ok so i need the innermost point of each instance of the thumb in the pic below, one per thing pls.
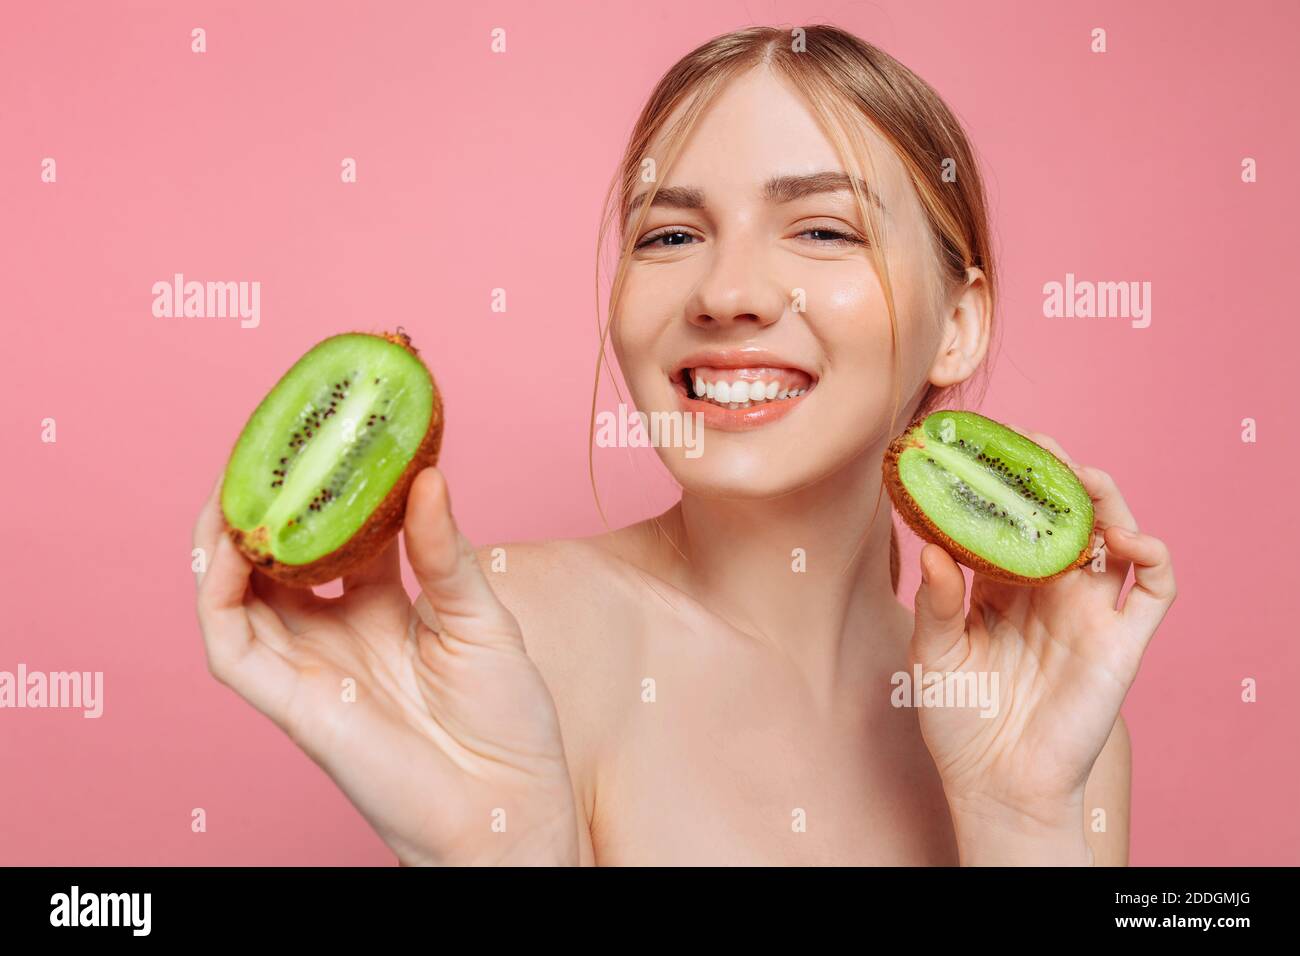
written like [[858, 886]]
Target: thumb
[[940, 606], [445, 567]]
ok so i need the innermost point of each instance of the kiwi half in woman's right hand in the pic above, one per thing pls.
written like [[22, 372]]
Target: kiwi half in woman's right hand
[[317, 482]]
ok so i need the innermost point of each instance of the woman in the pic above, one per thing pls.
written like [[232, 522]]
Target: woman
[[806, 262]]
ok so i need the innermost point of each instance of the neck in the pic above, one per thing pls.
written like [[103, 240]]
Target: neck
[[806, 573]]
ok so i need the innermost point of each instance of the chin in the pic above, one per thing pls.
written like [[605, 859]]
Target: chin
[[752, 474]]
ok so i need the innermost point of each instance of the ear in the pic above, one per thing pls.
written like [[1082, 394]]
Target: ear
[[964, 339]]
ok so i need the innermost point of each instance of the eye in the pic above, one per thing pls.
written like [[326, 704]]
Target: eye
[[667, 237], [833, 237]]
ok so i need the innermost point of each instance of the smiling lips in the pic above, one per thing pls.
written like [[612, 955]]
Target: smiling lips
[[739, 398]]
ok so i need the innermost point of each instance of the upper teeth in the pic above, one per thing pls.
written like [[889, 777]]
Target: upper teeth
[[741, 393]]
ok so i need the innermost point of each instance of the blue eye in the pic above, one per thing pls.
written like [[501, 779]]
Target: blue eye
[[673, 234], [832, 236]]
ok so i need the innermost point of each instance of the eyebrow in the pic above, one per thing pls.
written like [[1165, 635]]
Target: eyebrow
[[778, 189]]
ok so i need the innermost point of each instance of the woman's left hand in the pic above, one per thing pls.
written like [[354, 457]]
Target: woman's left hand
[[1064, 657]]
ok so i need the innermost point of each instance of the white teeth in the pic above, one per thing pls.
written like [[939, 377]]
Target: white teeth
[[741, 394]]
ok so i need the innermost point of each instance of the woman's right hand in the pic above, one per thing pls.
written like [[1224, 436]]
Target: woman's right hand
[[431, 717]]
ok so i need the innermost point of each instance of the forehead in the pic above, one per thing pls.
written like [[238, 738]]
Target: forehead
[[758, 127]]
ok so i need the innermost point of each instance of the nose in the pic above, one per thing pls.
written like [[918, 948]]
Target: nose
[[738, 289]]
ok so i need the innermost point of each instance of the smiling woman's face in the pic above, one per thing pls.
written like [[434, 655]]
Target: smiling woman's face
[[712, 298]]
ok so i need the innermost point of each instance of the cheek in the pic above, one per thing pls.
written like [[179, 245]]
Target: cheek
[[644, 312], [852, 322]]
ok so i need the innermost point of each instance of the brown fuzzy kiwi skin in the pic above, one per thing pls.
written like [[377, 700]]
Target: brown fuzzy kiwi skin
[[380, 528], [927, 530]]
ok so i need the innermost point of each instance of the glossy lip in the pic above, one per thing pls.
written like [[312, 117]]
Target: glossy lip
[[737, 419]]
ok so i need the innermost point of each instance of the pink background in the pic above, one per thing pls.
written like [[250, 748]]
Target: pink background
[[479, 171]]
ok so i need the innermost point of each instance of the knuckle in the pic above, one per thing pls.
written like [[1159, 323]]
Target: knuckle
[[218, 670]]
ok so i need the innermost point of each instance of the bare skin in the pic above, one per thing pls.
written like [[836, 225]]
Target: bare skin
[[732, 744], [735, 744], [714, 685]]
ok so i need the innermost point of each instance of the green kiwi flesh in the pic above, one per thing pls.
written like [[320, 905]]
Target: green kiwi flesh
[[998, 502], [317, 480]]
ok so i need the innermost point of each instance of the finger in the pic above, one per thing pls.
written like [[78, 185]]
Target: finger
[[1154, 587], [374, 599], [425, 612], [1110, 511], [445, 566], [294, 606], [382, 574], [262, 672], [208, 528], [1108, 504], [940, 607], [268, 626], [241, 647], [226, 631]]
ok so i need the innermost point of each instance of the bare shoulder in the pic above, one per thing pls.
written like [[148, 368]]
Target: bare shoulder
[[1106, 799], [576, 605], [569, 588]]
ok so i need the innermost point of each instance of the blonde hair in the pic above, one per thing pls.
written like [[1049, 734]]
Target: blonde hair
[[847, 83]]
